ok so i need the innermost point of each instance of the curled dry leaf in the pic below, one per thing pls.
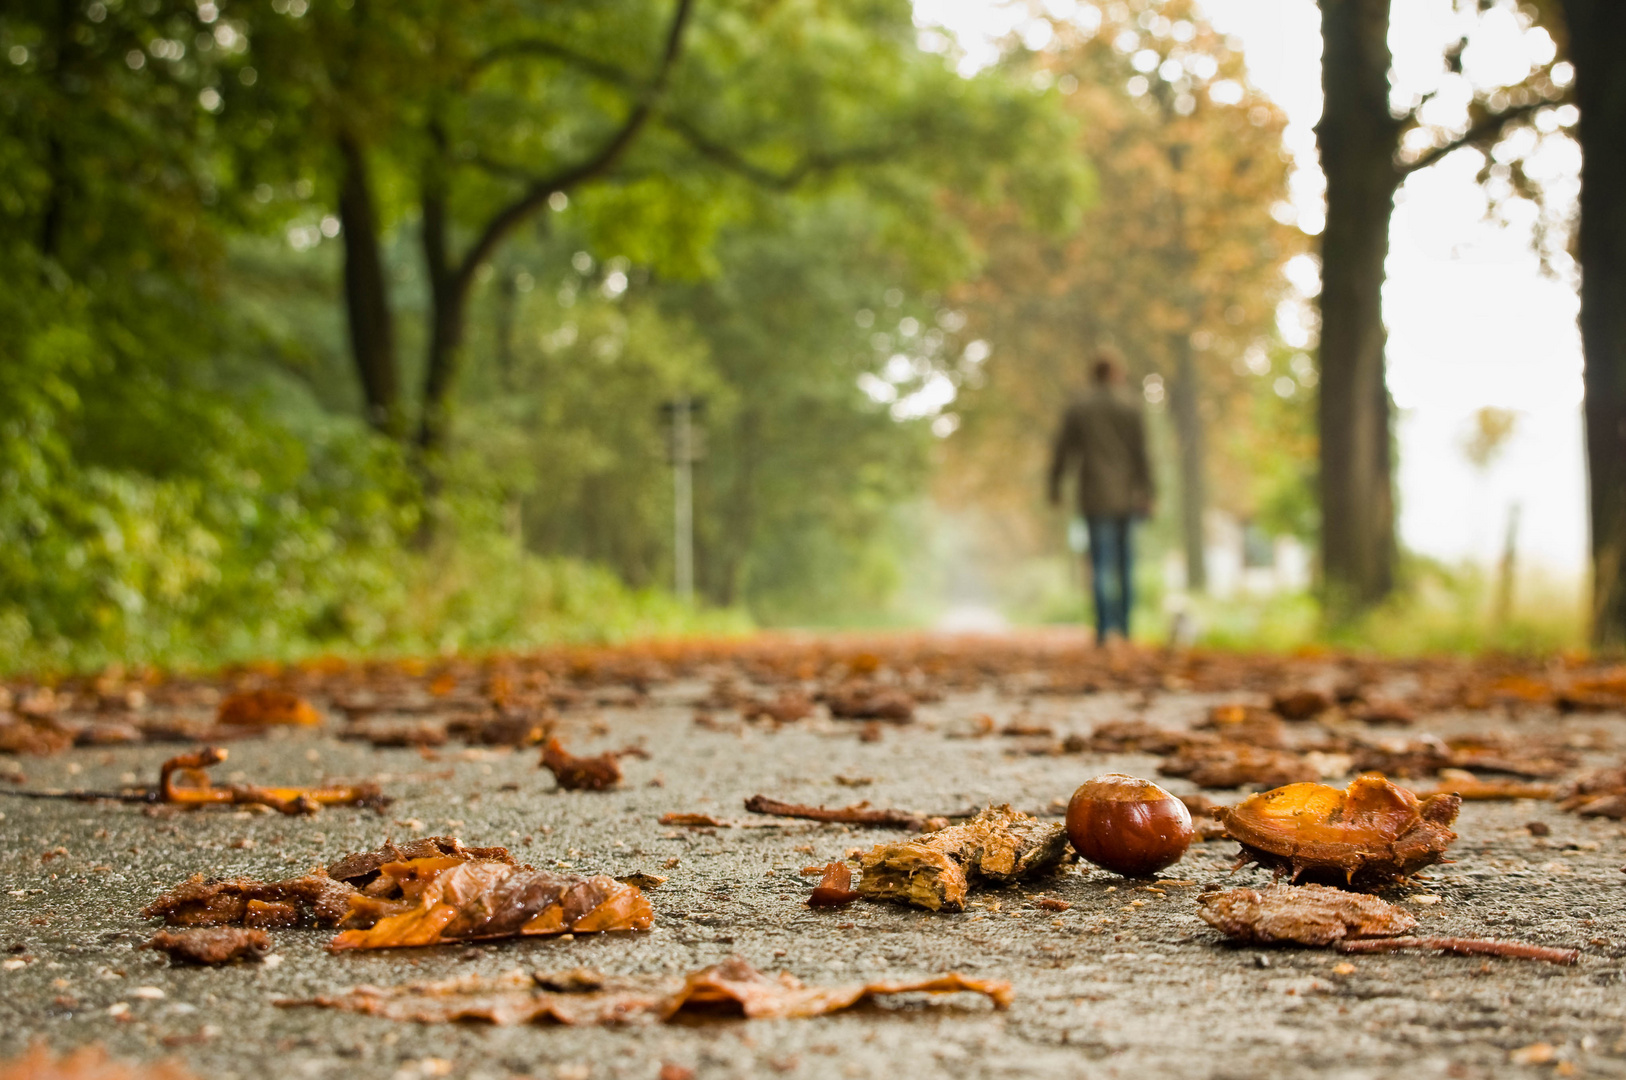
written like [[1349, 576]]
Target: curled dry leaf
[[1301, 914], [1129, 737], [86, 1063], [866, 701], [835, 888], [857, 814], [1365, 836], [264, 708], [732, 988], [445, 899], [1468, 787], [581, 773], [395, 733], [421, 893], [1536, 759], [1302, 704], [198, 791], [1600, 793], [321, 897], [211, 945], [1232, 765], [789, 707], [1248, 724], [936, 870]]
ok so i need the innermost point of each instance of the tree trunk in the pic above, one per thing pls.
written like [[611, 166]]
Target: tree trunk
[[1184, 397], [448, 297], [1596, 28], [366, 293], [1358, 139]]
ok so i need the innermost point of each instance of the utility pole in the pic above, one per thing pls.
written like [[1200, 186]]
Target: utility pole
[[683, 449]]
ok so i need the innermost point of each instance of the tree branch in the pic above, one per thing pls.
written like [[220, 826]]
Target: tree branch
[[511, 216], [1485, 130], [553, 50], [734, 161]]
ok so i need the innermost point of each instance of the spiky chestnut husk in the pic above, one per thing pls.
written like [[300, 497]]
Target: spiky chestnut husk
[[1364, 837]]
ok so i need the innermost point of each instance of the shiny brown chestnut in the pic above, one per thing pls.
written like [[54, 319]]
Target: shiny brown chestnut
[[1128, 825]]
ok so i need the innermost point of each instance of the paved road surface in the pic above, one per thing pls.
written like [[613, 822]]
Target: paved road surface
[[1128, 982]]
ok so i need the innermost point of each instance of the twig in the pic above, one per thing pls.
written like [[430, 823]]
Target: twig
[[1516, 950], [857, 814]]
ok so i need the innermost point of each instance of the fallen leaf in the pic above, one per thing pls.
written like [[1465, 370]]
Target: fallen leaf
[[732, 988]]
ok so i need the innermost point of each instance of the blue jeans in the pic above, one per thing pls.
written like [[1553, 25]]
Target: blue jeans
[[1111, 572]]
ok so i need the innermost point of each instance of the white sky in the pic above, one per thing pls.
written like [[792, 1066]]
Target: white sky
[[1472, 320]]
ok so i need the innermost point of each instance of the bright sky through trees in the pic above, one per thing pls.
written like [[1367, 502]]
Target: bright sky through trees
[[1473, 321]]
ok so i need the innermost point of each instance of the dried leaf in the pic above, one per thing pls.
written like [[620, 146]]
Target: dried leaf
[[581, 774], [263, 708], [1302, 914], [212, 946], [1232, 765], [834, 888], [86, 1063], [585, 998], [443, 899]]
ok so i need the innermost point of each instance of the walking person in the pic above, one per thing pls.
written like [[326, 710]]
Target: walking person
[[1103, 440]]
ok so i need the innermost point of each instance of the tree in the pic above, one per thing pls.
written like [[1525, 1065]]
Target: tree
[[1595, 29], [1179, 262], [481, 123], [1361, 138]]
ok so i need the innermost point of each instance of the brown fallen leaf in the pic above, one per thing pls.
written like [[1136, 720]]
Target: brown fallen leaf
[[789, 707], [321, 896], [866, 701], [857, 814], [508, 729], [834, 888], [1365, 836], [445, 899], [1232, 765], [936, 870], [35, 737], [86, 1063], [264, 708], [394, 733], [1301, 704], [732, 988], [1132, 737], [1465, 785], [1599, 793], [581, 774], [211, 945], [1248, 724], [694, 821], [1301, 914], [198, 791], [643, 880]]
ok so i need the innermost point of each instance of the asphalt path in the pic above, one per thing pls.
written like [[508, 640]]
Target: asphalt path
[[1126, 982]]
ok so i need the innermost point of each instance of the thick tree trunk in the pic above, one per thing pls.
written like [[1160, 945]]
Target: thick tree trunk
[[1184, 398], [366, 293], [1596, 29], [1358, 139]]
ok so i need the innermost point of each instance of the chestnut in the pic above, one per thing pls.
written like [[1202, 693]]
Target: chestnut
[[1128, 825]]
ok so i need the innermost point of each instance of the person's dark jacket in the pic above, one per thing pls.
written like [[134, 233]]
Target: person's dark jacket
[[1103, 438]]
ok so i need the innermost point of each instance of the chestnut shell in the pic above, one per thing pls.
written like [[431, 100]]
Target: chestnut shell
[[1127, 825], [1365, 836]]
